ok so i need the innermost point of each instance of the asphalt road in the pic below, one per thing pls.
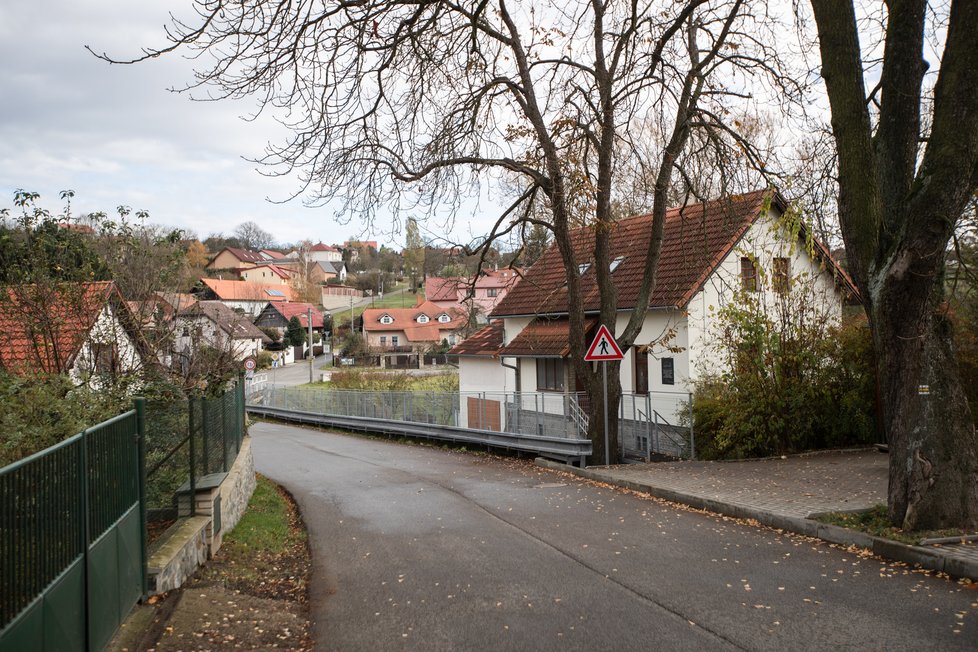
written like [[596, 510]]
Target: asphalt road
[[421, 548]]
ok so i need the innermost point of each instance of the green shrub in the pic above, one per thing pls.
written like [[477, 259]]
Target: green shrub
[[794, 380]]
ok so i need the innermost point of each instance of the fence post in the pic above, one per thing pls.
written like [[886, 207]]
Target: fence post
[[85, 532], [224, 432], [205, 426], [193, 456], [692, 439], [242, 415], [141, 451]]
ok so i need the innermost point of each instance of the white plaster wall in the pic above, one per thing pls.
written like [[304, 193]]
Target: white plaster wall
[[106, 330], [764, 241], [477, 374]]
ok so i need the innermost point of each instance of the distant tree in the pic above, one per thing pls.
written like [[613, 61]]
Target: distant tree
[[251, 236], [295, 334], [414, 253], [453, 270]]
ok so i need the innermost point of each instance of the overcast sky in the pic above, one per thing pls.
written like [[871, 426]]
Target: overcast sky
[[115, 135]]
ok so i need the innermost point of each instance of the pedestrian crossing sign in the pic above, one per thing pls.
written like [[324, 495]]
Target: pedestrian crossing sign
[[604, 347]]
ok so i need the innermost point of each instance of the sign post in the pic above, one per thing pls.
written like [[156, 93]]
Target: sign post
[[604, 348]]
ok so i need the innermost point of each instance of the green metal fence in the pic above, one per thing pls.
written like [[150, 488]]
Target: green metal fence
[[72, 530], [73, 519]]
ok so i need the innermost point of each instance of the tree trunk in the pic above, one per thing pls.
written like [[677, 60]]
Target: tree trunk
[[933, 478]]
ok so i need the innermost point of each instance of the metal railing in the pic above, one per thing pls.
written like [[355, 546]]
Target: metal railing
[[653, 424]]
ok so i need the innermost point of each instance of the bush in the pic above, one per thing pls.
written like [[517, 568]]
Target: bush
[[264, 360], [795, 381]]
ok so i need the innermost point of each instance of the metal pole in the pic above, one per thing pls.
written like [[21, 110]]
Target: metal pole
[[692, 440], [83, 476], [141, 452], [193, 457], [312, 353], [607, 453]]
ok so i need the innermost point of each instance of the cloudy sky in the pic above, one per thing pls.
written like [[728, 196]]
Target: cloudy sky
[[116, 136]]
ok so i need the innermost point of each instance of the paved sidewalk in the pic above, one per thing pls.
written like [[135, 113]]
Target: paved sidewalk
[[786, 493]]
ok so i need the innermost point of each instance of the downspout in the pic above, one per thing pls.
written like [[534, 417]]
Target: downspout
[[516, 369]]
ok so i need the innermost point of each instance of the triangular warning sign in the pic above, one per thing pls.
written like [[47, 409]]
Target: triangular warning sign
[[604, 347]]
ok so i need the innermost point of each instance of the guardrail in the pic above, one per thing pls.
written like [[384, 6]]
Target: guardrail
[[572, 451]]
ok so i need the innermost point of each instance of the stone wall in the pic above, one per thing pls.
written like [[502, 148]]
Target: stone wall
[[182, 552], [237, 488]]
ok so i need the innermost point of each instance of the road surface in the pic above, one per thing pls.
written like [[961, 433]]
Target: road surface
[[421, 548]]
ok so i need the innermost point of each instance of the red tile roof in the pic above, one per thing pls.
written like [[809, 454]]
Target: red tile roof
[[272, 254], [319, 246], [279, 270], [543, 338], [696, 239], [485, 342], [49, 344], [405, 319], [246, 291], [244, 255], [439, 288], [235, 325]]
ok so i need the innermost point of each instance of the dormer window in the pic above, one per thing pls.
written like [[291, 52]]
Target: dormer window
[[423, 319], [615, 263], [583, 268], [444, 318], [386, 319]]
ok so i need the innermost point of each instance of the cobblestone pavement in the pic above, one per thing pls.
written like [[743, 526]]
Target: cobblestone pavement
[[793, 486], [799, 486]]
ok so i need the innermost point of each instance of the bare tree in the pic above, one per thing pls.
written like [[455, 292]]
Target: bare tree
[[251, 236], [410, 106], [908, 165]]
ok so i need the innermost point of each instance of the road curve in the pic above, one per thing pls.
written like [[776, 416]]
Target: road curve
[[420, 548]]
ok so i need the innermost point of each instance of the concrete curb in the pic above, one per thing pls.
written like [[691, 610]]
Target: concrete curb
[[932, 558]]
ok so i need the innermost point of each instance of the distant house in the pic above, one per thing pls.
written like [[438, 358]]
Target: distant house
[[84, 330], [213, 324], [481, 294], [335, 297], [271, 254], [249, 298], [317, 253], [267, 274], [411, 329], [277, 315], [355, 247], [322, 272], [709, 250], [233, 258]]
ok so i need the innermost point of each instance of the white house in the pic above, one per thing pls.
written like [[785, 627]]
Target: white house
[[213, 324], [84, 330], [708, 251]]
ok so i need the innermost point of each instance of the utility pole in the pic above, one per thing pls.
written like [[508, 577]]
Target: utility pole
[[312, 353]]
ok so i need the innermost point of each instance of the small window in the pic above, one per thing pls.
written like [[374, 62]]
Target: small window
[[393, 340], [583, 268], [386, 319], [748, 274], [668, 371], [444, 319], [423, 319], [491, 292], [616, 262], [641, 370], [383, 340], [782, 275], [550, 374]]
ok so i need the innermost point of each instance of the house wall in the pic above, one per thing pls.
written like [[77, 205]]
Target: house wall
[[764, 241], [202, 330], [106, 330], [373, 338], [227, 260], [478, 374], [250, 308], [262, 275], [325, 256]]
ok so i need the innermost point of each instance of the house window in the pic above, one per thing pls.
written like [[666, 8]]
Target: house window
[[444, 319], [491, 292], [393, 340], [106, 358], [583, 268], [383, 340], [641, 370], [386, 319], [748, 274], [782, 275], [616, 262], [423, 319], [550, 374], [668, 371]]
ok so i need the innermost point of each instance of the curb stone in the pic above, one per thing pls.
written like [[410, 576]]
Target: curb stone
[[931, 558]]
